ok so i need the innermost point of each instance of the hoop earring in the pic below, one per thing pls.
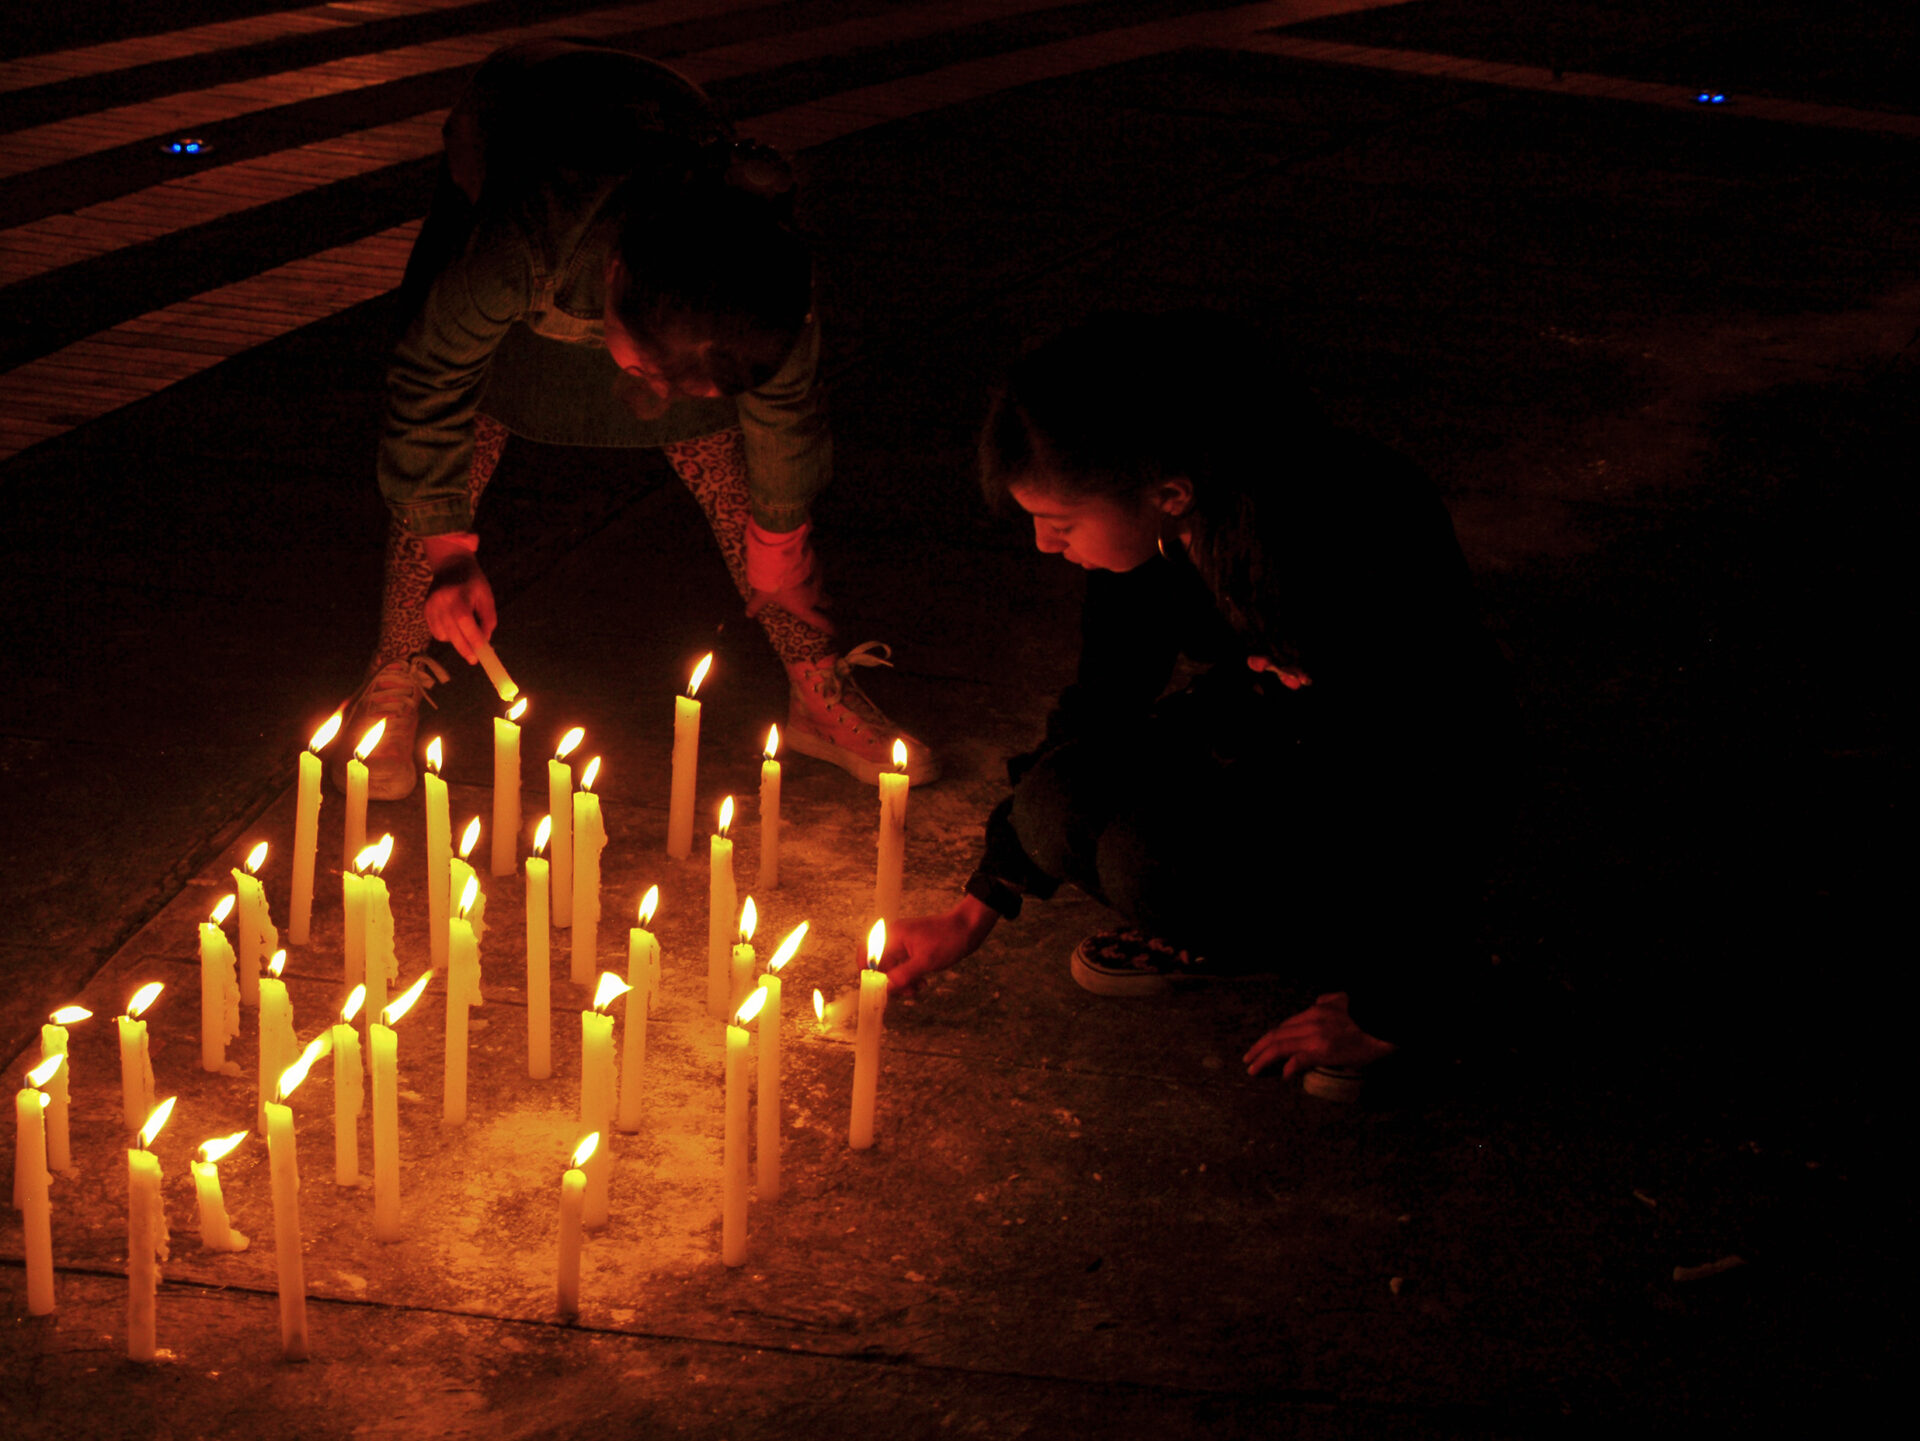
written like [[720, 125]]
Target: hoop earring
[[1160, 544]]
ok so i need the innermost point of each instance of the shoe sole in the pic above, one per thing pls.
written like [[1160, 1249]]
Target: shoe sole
[[854, 764], [1104, 982]]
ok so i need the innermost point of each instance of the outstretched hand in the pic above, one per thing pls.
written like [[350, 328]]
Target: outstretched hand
[[921, 946], [459, 601], [1322, 1035]]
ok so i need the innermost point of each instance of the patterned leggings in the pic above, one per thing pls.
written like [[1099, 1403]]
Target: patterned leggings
[[714, 468]]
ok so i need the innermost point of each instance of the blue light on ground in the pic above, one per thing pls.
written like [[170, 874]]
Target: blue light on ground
[[1710, 97], [187, 147]]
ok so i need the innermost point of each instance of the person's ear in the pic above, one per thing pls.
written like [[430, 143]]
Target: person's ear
[[1173, 496]]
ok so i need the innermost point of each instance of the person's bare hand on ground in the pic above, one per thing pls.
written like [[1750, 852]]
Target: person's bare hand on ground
[[1322, 1035], [922, 946]]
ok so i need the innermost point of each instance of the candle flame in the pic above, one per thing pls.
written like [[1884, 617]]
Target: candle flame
[[70, 1015], [374, 857], [436, 756], [583, 1152], [323, 737], [787, 948], [156, 1120], [212, 1152], [44, 1098], [726, 814], [46, 1070], [876, 944], [278, 963], [649, 903], [390, 1017], [291, 1078], [819, 1006], [469, 838], [543, 834], [750, 1007], [144, 997], [353, 1005], [610, 987], [382, 853], [370, 739], [700, 673], [517, 709], [468, 893], [222, 911], [256, 858], [899, 754], [773, 742], [749, 918], [568, 741], [590, 775]]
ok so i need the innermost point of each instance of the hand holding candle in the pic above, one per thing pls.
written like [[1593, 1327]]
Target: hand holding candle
[[866, 1045], [354, 836], [147, 1236], [560, 811], [770, 814], [539, 961], [589, 839], [686, 764], [506, 788], [216, 1231], [136, 1063], [597, 1090], [306, 832], [643, 957], [253, 925], [722, 901], [767, 1172], [384, 1051], [439, 861]]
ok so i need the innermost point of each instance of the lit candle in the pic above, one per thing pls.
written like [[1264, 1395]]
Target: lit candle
[[383, 1045], [597, 1090], [686, 764], [279, 1046], [353, 924], [53, 1042], [560, 808], [380, 967], [767, 1171], [284, 1166], [497, 673], [136, 1064], [463, 992], [539, 963], [589, 839], [306, 832], [740, 971], [355, 835], [32, 1185], [573, 1197], [146, 1236], [733, 1156], [439, 861], [216, 1231], [253, 926], [866, 1044], [770, 813], [722, 903], [349, 1092], [893, 836], [643, 958], [506, 788], [219, 993], [819, 1009], [460, 870]]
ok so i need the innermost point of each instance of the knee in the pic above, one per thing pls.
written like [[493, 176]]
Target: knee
[[1041, 816]]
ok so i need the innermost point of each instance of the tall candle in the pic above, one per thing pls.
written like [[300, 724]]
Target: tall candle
[[686, 764], [866, 1043], [506, 788], [539, 963], [383, 1045], [32, 1185], [53, 1042], [380, 966], [770, 813], [349, 1092], [893, 836], [353, 925], [733, 1154], [279, 1047], [767, 1114], [463, 992], [216, 1231], [439, 860], [573, 1201], [219, 994], [253, 925], [136, 1064], [589, 839], [597, 1091], [497, 673], [459, 871], [146, 1237], [643, 957], [306, 833], [354, 834], [722, 904], [560, 808], [284, 1168], [740, 970]]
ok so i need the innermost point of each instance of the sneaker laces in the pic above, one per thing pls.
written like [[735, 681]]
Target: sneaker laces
[[838, 687], [398, 684]]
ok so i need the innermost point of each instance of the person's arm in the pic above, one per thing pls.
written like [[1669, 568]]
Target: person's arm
[[921, 946]]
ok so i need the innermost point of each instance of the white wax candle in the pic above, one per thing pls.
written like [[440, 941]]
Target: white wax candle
[[349, 1098], [497, 673], [254, 928], [573, 1200], [380, 966], [767, 1115], [539, 974], [216, 1230], [463, 991], [733, 1163], [893, 843], [279, 1047], [723, 905], [306, 846], [686, 765], [146, 1247], [353, 838], [219, 1000], [289, 1267], [383, 1047], [866, 1057], [560, 808], [589, 839], [136, 1072], [439, 863], [770, 816], [596, 1108], [353, 928], [643, 955], [506, 790], [32, 1194], [462, 871], [53, 1042], [740, 974]]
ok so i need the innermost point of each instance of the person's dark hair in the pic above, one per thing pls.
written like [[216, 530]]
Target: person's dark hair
[[714, 262], [1121, 401]]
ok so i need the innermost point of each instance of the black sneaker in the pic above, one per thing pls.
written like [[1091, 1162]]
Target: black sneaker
[[1130, 962]]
